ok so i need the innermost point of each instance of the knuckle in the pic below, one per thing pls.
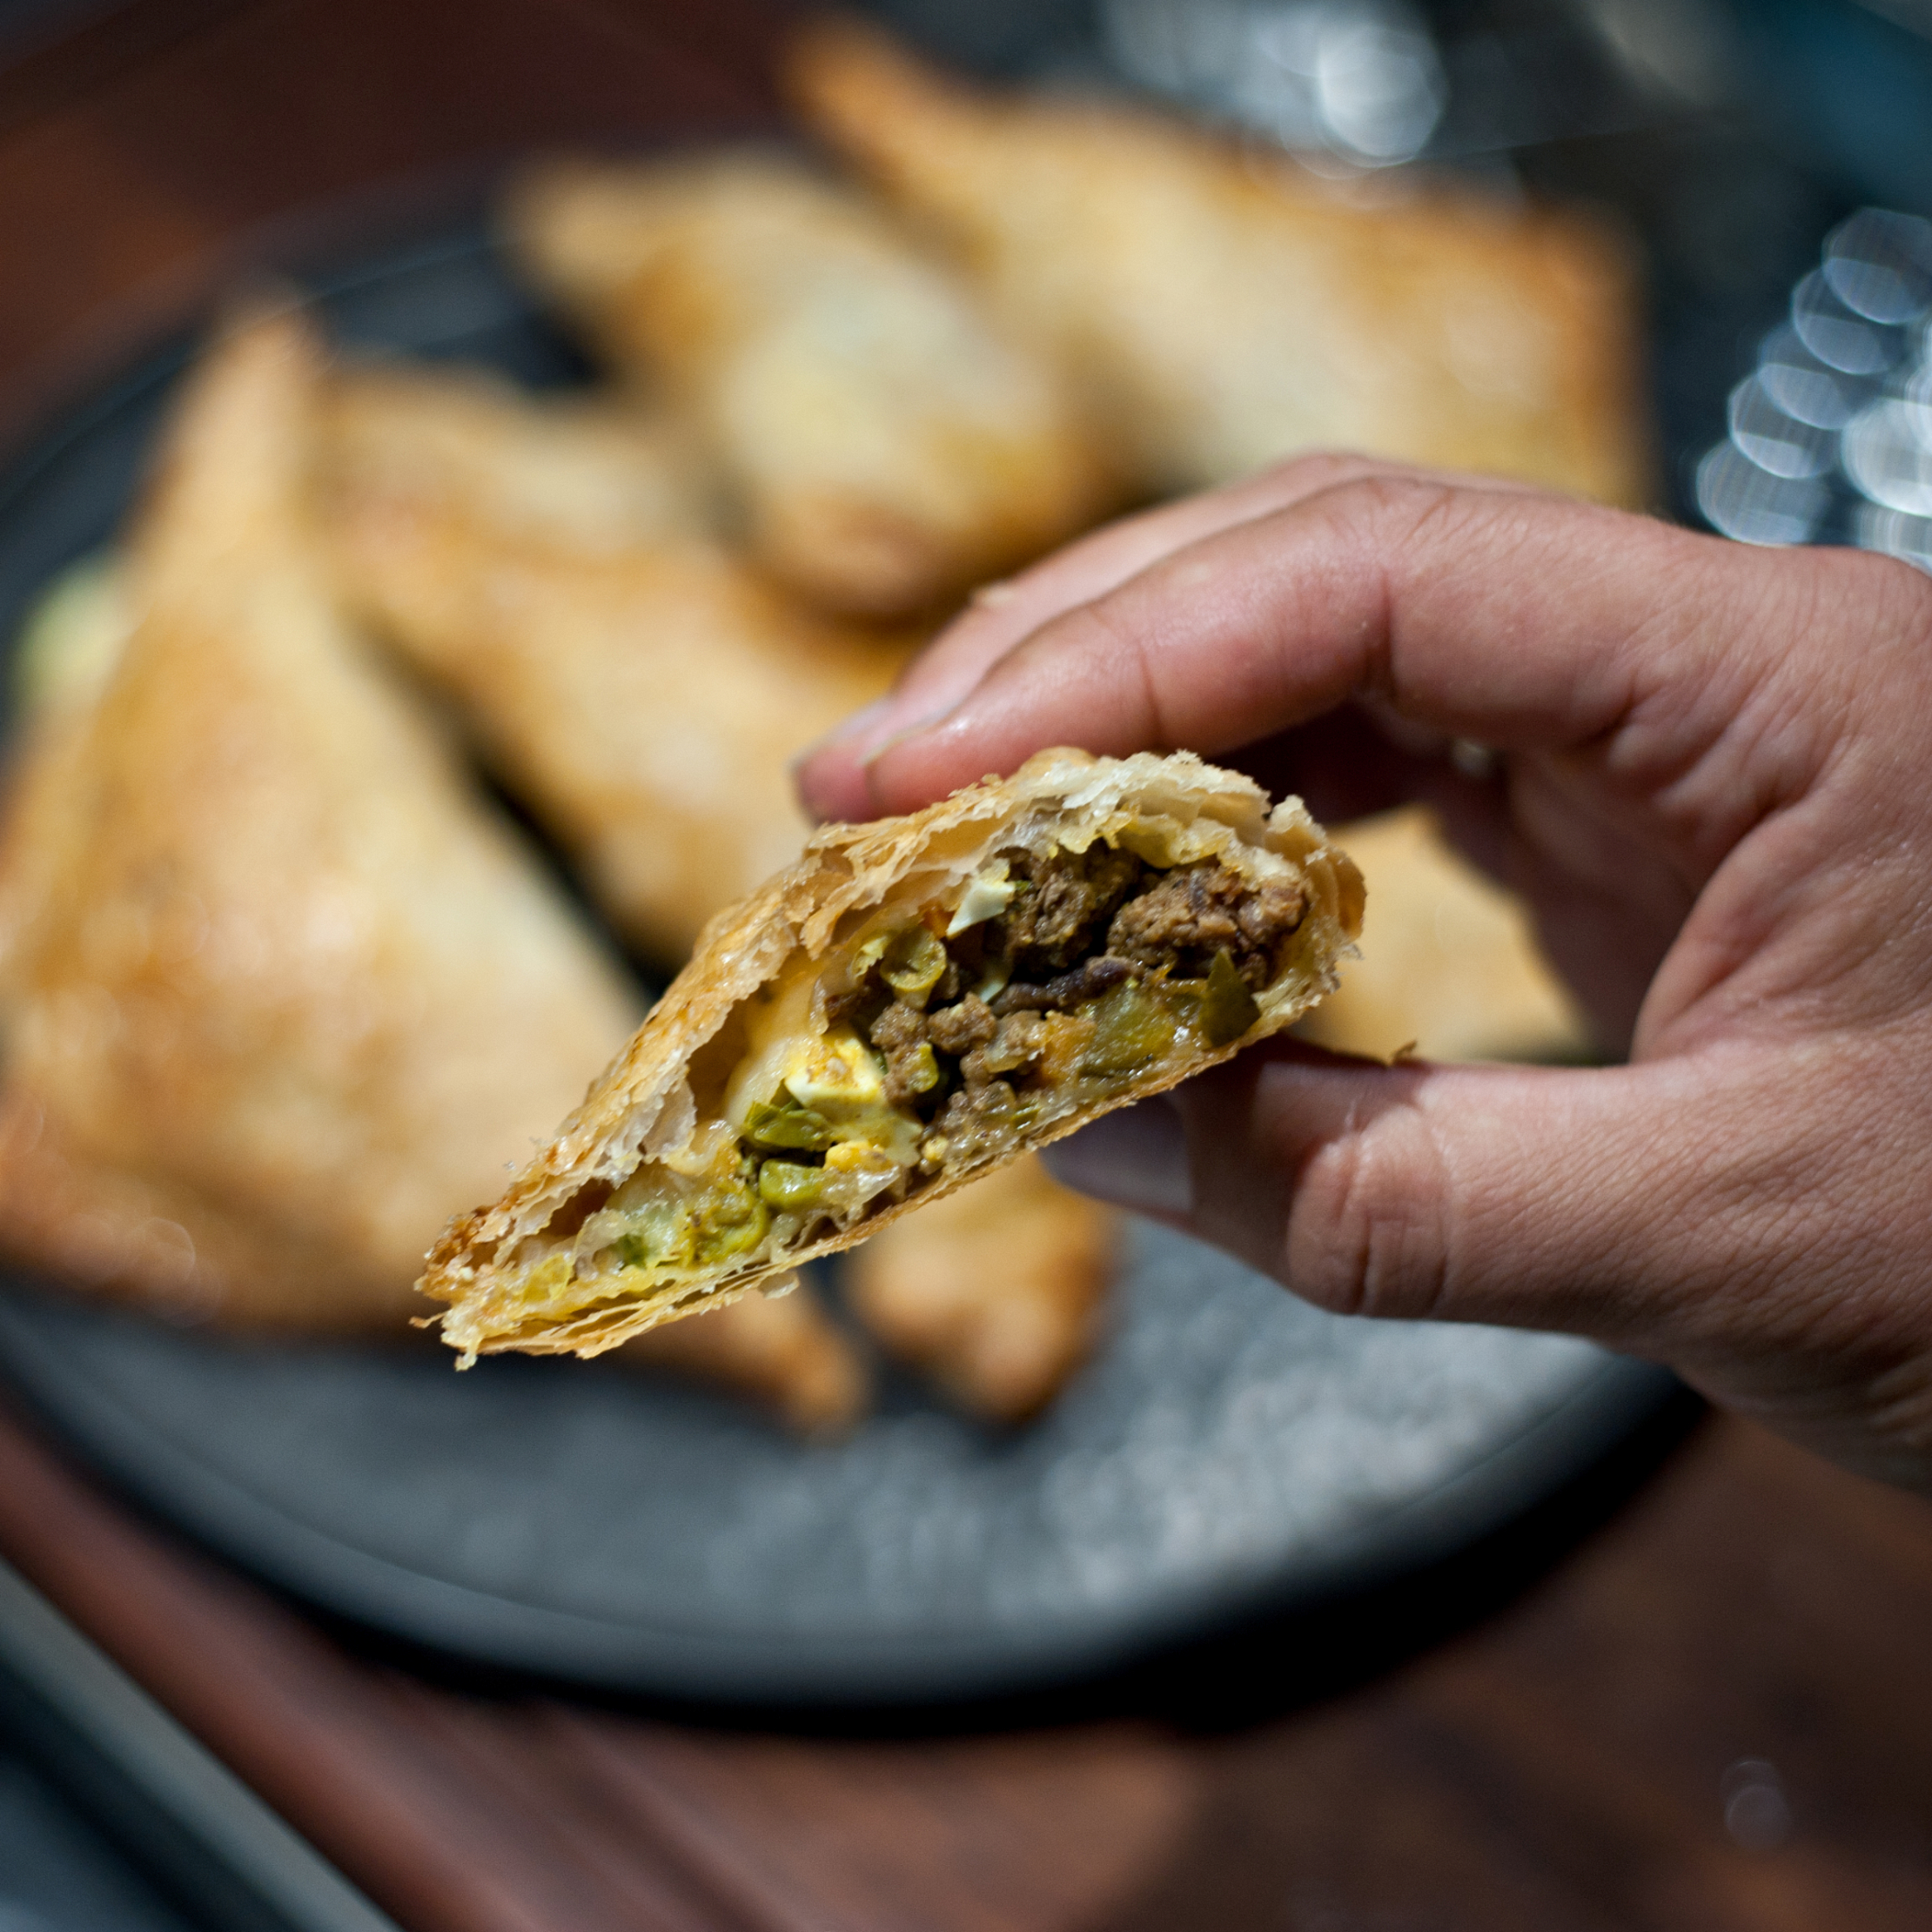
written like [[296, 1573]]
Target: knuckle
[[1367, 1225], [1403, 506]]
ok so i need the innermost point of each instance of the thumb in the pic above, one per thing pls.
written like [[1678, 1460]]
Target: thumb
[[1529, 1196]]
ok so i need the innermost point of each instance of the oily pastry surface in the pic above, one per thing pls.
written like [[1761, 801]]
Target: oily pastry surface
[[886, 447], [568, 1259], [277, 987], [1223, 310]]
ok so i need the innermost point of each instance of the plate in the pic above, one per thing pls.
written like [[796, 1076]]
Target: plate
[[1230, 1454]]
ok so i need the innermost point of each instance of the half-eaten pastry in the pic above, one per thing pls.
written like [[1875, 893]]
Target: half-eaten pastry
[[913, 1003]]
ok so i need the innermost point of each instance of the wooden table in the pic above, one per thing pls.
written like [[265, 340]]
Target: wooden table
[[1712, 1718], [1716, 1714]]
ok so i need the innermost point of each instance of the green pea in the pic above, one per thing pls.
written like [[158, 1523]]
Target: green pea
[[1228, 1009], [788, 1184], [919, 1072], [794, 1127], [915, 963]]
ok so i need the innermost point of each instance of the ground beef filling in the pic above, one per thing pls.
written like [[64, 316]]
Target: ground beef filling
[[1045, 978], [1094, 970]]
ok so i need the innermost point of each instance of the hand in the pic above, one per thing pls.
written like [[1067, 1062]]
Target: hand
[[1712, 778]]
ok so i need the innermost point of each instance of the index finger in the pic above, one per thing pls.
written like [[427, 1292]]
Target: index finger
[[1514, 619], [831, 775]]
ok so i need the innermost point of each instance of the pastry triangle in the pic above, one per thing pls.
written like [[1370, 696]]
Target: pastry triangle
[[1223, 308], [885, 446], [995, 1293], [276, 986], [640, 689]]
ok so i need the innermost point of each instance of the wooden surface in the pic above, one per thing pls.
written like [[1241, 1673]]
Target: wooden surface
[[1749, 1635], [1715, 1715]]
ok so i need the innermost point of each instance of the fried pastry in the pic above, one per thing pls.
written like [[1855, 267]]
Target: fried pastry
[[911, 1005], [1225, 309], [276, 987], [643, 700], [570, 472], [886, 447], [781, 1350], [1450, 968], [995, 1292]]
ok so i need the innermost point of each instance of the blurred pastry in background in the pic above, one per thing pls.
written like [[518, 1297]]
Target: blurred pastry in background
[[1450, 966], [574, 471], [642, 701], [780, 1349], [995, 1293], [1225, 309], [884, 446], [276, 987], [250, 909]]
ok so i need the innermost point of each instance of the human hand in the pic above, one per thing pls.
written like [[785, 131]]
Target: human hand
[[1712, 781]]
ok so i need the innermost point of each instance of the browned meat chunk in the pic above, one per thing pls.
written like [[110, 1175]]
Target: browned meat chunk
[[900, 1026], [1099, 975], [900, 1034], [958, 1029], [1198, 910], [978, 1123], [1068, 899]]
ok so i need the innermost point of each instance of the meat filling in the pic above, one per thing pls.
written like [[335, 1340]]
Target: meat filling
[[1193, 912], [1090, 971], [939, 1049]]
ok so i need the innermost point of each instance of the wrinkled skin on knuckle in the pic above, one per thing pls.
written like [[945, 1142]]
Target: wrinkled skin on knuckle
[[1367, 1222], [1794, 1286], [1383, 513]]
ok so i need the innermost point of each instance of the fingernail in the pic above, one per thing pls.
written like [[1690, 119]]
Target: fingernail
[[1135, 1159]]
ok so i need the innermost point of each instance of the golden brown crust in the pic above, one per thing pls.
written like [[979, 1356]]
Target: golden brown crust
[[656, 1095], [643, 693], [585, 475], [886, 447], [101, 1230], [276, 987], [1225, 310], [995, 1293]]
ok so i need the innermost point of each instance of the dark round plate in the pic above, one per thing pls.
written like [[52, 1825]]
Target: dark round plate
[[1230, 1452]]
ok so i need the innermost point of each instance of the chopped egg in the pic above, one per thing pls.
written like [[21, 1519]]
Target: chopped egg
[[834, 1073]]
